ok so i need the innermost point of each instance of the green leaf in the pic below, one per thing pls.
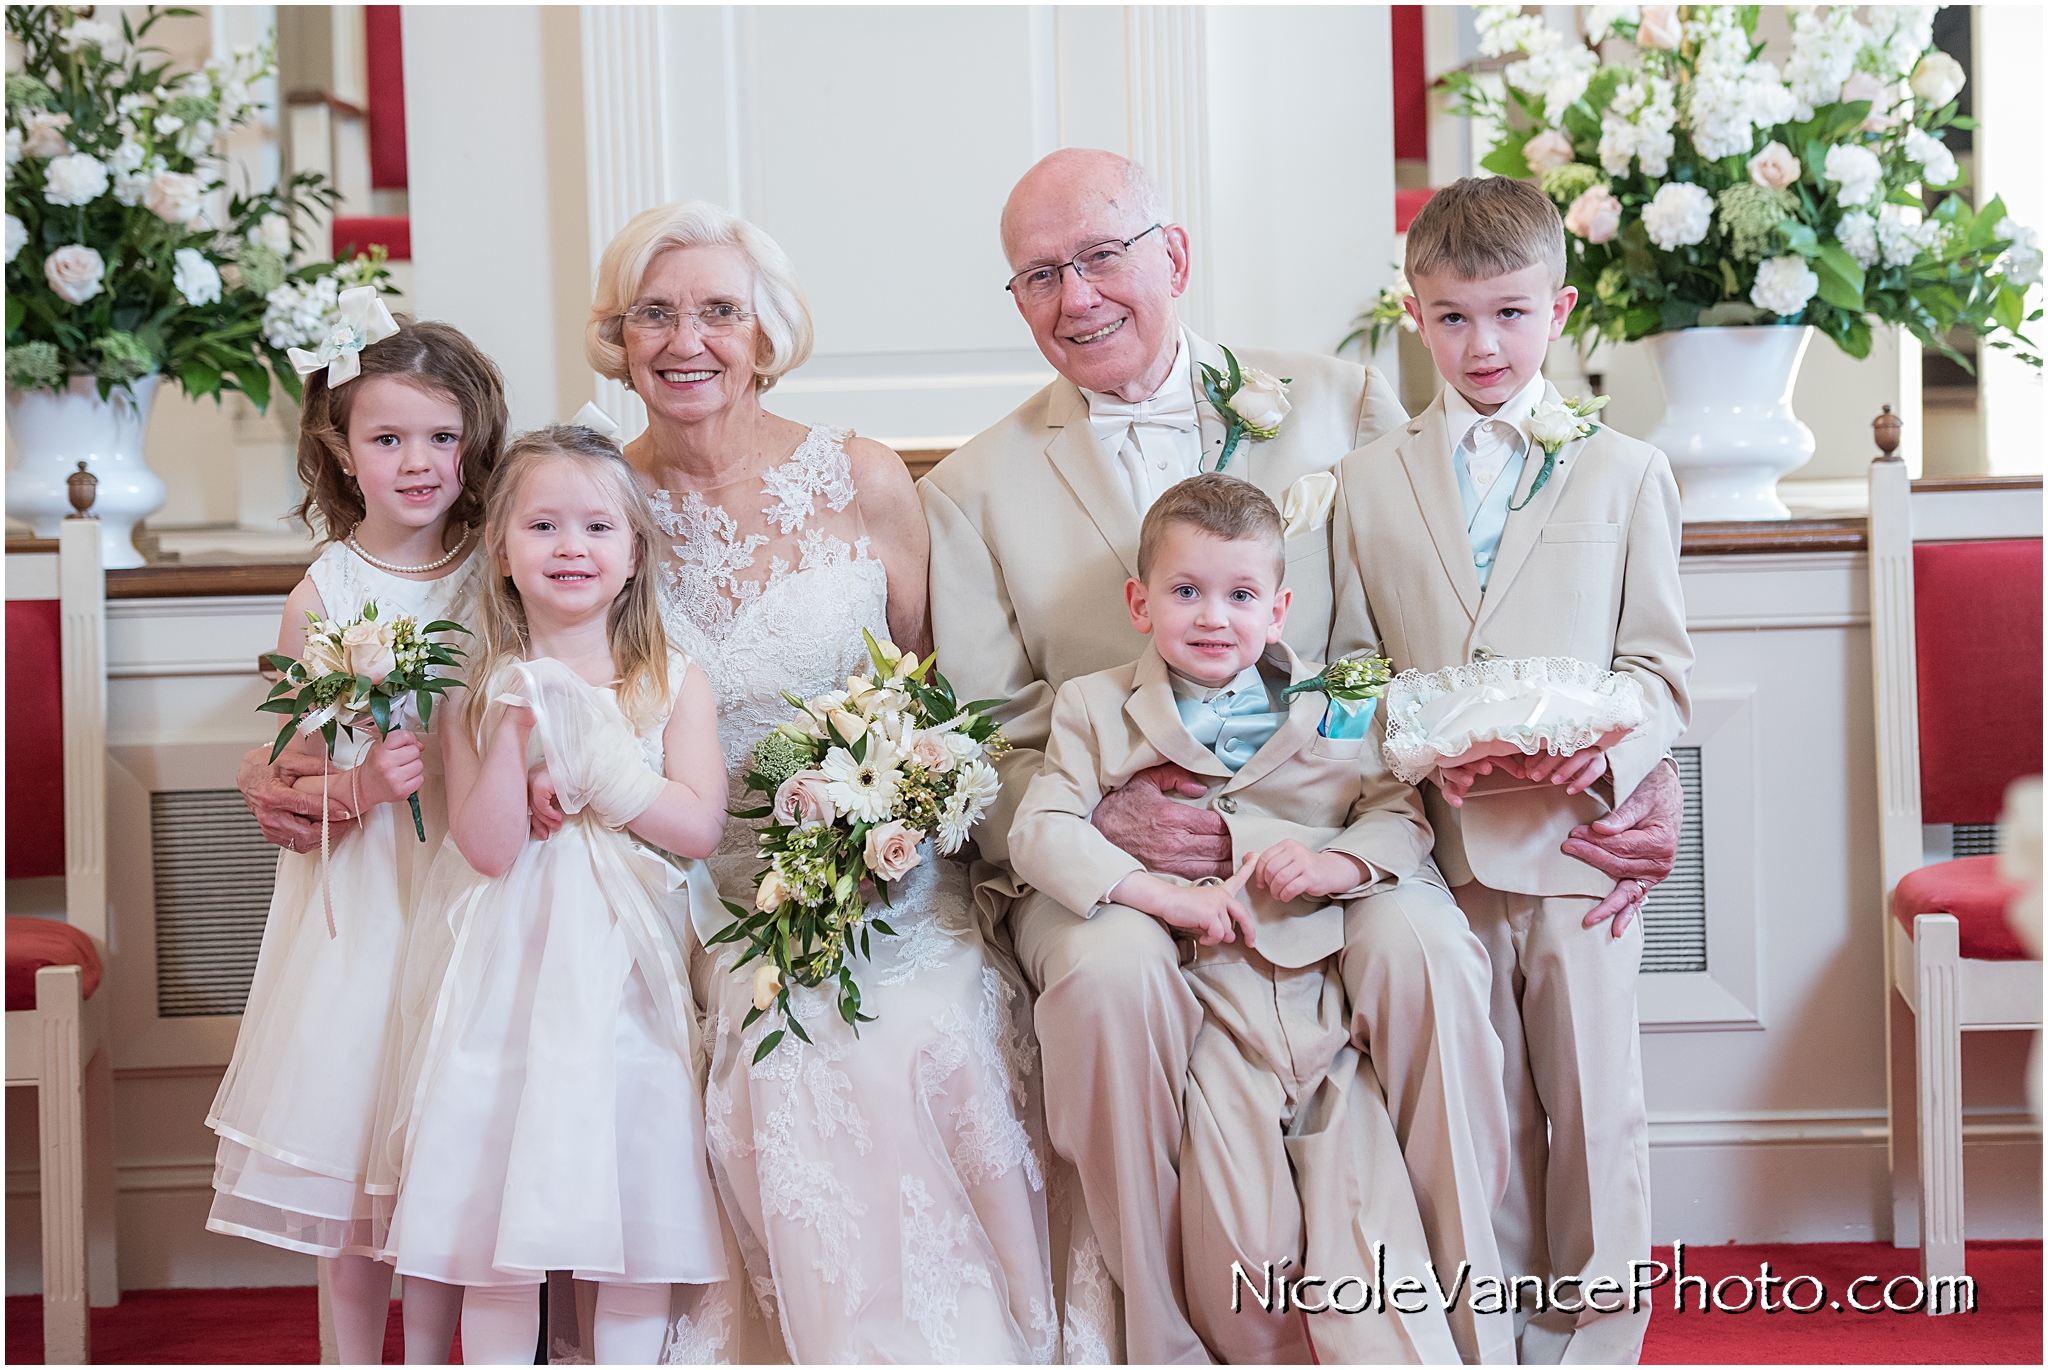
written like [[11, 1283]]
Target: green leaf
[[279, 660], [1506, 159], [1236, 376], [794, 1025], [380, 712], [768, 1044], [1841, 278], [284, 737], [2010, 308]]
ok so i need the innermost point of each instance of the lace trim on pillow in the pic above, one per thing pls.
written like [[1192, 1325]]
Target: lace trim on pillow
[[1413, 753]]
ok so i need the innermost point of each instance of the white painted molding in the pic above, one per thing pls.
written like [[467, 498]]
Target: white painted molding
[[1166, 48], [82, 593]]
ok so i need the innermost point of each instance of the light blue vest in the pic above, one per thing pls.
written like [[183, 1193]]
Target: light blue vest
[[1486, 516]]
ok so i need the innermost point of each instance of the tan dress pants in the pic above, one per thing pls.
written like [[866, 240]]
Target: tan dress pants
[[1420, 988], [1290, 1159], [1578, 1200], [1116, 1023]]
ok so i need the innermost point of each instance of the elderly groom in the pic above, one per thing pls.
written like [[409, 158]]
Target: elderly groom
[[1034, 529]]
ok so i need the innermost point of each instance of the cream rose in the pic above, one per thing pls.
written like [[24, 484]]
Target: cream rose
[[804, 798], [767, 984], [771, 892], [174, 196], [891, 850], [74, 272], [1660, 28], [1547, 151], [1552, 425], [368, 646], [1261, 402], [929, 750], [1938, 79], [1775, 167], [847, 724], [1595, 215]]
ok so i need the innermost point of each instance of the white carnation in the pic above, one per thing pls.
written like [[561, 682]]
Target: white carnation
[[77, 179], [1783, 286], [1856, 170], [196, 278], [1857, 233], [17, 237], [2021, 262], [127, 157], [273, 231], [1679, 216], [1937, 163]]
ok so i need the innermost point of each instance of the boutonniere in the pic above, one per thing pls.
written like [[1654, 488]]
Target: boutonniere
[[1554, 425], [1250, 402], [1353, 679]]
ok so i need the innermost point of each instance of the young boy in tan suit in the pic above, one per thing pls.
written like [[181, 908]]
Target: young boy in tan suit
[[1288, 1156], [1483, 529]]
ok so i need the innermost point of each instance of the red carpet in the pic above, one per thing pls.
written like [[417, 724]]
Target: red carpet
[[277, 1326]]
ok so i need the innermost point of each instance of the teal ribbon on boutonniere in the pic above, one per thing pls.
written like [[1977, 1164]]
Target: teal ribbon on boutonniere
[[1250, 402], [1349, 683], [1554, 425]]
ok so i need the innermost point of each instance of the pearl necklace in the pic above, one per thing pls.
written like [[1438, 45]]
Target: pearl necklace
[[453, 553]]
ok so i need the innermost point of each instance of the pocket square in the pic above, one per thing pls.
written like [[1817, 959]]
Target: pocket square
[[1306, 505], [1347, 718]]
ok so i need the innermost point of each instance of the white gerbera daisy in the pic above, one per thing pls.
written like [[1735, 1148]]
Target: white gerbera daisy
[[865, 790], [955, 821], [980, 784]]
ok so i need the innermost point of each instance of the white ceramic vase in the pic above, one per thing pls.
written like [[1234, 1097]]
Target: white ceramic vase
[[1728, 425], [51, 433]]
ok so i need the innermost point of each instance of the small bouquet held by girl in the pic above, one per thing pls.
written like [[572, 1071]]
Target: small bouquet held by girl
[[861, 779], [361, 674]]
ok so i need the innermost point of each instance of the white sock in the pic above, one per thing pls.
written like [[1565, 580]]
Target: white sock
[[500, 1324], [631, 1321]]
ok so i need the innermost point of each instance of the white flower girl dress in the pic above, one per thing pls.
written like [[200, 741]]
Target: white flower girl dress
[[295, 1110]]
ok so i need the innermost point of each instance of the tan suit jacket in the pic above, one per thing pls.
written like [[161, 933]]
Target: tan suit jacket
[[1033, 536], [1589, 569], [1329, 794]]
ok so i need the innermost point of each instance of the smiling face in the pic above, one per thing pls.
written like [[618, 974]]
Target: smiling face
[[1116, 336], [1212, 605], [405, 450], [1488, 336], [567, 546], [683, 375]]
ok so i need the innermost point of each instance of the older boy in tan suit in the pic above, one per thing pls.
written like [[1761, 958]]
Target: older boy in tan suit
[[1464, 537], [1288, 1162]]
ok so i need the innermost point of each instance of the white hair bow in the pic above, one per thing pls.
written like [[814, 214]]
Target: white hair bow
[[364, 320], [597, 421]]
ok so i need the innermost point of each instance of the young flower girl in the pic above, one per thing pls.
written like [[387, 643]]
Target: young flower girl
[[548, 1115], [396, 442]]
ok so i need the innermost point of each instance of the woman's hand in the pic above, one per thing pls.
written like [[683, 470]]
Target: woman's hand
[[392, 769], [543, 808], [289, 817]]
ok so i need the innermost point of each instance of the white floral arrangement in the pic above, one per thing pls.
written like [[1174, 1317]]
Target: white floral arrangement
[[862, 779], [1502, 707], [126, 255], [1703, 186]]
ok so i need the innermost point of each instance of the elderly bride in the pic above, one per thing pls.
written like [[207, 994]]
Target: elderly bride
[[886, 1192]]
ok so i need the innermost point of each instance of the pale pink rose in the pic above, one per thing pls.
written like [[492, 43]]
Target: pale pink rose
[[804, 798], [368, 646], [1775, 167], [174, 196], [930, 751], [1595, 215], [892, 850], [1547, 150], [1660, 28]]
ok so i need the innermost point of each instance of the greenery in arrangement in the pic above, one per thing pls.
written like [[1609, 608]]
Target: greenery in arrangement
[[1701, 186], [127, 254]]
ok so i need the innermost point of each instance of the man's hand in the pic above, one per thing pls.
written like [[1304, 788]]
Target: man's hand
[[289, 818], [543, 809], [1176, 838], [1637, 845]]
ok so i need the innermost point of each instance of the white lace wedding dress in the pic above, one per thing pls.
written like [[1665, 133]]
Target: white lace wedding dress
[[887, 1193]]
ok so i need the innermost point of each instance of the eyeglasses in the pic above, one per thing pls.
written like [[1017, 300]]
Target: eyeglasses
[[1037, 284], [658, 320]]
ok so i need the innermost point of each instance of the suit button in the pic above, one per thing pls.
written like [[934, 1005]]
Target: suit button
[[1482, 654], [1226, 804]]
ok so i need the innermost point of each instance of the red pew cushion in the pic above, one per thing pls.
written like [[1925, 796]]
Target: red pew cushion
[[33, 943], [1977, 617], [1970, 889], [35, 741]]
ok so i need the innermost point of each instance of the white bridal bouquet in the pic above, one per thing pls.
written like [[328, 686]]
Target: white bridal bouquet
[[1701, 185], [861, 779], [125, 255]]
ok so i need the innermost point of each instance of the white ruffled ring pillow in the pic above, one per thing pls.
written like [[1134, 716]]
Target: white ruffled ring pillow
[[1497, 707]]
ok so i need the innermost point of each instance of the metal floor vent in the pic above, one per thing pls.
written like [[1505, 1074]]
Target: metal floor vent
[[1976, 839], [214, 874], [1675, 914]]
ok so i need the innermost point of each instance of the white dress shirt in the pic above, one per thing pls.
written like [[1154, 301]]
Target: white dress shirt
[[1157, 442], [1490, 440]]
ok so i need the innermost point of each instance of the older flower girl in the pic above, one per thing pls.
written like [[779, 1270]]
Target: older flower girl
[[395, 444], [549, 1116]]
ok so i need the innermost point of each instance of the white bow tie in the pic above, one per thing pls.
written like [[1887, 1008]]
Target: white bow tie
[[1173, 408]]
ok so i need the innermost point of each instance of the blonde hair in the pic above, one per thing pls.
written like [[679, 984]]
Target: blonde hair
[[639, 644], [431, 357], [784, 318], [1484, 226], [1221, 506]]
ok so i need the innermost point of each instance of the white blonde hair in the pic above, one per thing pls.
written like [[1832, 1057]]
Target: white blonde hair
[[785, 316]]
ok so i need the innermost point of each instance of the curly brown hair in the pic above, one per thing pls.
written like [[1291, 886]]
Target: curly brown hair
[[431, 356]]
